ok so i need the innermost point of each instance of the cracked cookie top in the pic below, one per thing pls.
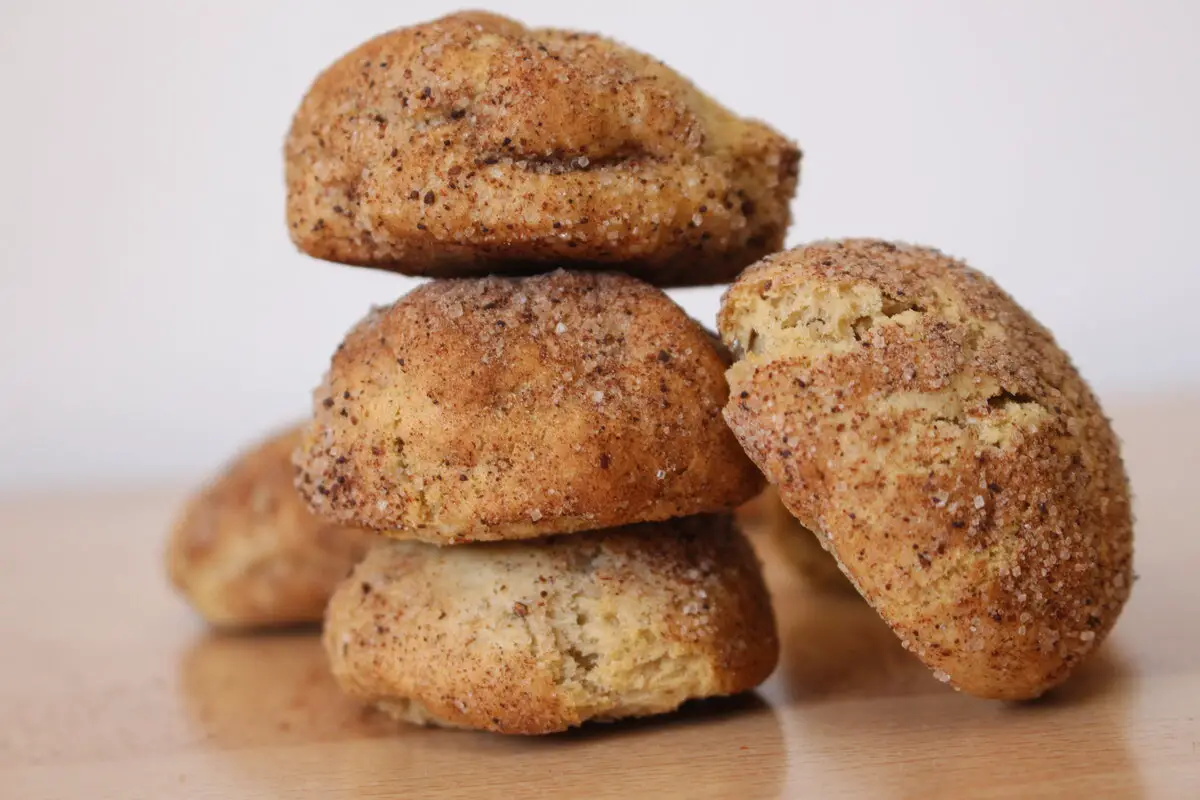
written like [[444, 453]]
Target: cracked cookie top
[[944, 447]]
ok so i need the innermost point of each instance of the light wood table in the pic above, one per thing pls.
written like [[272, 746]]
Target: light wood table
[[109, 687]]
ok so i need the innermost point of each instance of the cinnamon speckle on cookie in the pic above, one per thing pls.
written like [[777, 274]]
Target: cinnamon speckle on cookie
[[958, 466], [525, 148]]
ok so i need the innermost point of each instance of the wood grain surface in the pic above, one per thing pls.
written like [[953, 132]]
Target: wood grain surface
[[110, 687]]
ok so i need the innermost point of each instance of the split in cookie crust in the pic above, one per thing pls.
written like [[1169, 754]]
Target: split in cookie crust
[[936, 436]]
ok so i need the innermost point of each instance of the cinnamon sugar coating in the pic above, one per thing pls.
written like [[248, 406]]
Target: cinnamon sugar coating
[[536, 637], [504, 408], [946, 450], [473, 145]]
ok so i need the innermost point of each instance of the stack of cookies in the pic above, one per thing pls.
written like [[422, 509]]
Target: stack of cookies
[[537, 434], [538, 451]]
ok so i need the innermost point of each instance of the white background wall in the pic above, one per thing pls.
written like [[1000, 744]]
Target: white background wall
[[153, 315]]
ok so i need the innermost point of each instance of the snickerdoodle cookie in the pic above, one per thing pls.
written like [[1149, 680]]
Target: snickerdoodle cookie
[[960, 469], [767, 517], [504, 408], [246, 552], [536, 637], [473, 145]]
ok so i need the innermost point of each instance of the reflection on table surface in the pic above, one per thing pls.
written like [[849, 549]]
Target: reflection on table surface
[[249, 695], [848, 710], [109, 686]]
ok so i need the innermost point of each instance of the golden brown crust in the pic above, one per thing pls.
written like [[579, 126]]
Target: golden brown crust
[[246, 552], [502, 408], [962, 471], [537, 637], [767, 516], [473, 145]]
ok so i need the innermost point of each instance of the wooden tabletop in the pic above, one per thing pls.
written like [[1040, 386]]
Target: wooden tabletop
[[110, 687]]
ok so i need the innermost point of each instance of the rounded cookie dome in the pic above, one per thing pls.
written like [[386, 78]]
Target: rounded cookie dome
[[502, 408], [536, 637]]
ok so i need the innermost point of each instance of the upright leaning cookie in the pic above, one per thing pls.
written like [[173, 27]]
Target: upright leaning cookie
[[473, 145], [537, 637], [953, 459], [246, 552], [504, 408]]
